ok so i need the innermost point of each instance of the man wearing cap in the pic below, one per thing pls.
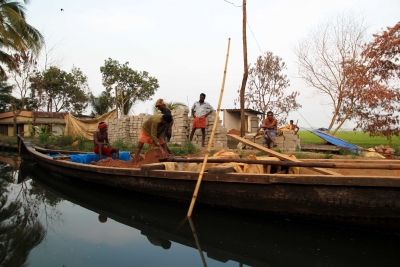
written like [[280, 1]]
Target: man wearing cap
[[152, 133], [200, 113], [99, 138], [160, 104]]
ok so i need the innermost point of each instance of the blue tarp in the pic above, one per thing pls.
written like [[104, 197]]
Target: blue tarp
[[338, 142], [89, 157]]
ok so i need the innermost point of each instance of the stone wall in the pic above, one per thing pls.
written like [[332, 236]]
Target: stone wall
[[128, 129], [287, 142]]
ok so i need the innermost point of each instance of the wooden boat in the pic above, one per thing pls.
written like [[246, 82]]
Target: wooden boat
[[226, 236], [366, 194]]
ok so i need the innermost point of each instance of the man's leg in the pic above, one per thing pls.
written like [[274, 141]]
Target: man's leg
[[100, 152], [116, 153], [192, 133], [138, 149], [203, 136]]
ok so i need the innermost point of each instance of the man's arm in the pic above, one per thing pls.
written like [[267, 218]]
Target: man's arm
[[170, 127]]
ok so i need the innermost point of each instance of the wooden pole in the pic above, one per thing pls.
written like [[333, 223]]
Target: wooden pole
[[196, 190], [196, 239], [341, 165], [245, 72]]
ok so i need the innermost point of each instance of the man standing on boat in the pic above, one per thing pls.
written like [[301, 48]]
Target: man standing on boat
[[199, 114], [152, 133], [270, 127], [99, 138], [160, 104]]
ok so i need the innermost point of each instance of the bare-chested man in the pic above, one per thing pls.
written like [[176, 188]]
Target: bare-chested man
[[294, 127], [100, 139], [270, 126]]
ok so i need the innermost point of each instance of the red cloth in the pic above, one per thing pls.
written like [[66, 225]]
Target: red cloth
[[105, 151], [101, 126], [146, 139], [200, 122]]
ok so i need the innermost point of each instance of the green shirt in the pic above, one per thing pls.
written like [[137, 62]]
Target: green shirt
[[154, 128]]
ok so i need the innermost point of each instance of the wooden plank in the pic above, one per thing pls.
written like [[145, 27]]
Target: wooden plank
[[277, 154]]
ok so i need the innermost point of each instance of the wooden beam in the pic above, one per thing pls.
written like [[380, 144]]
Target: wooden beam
[[277, 154]]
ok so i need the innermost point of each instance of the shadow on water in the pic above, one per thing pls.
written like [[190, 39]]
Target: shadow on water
[[225, 236]]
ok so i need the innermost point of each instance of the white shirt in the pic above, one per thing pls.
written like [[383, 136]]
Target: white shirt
[[201, 110]]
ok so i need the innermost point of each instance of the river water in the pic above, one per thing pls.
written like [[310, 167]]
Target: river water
[[47, 220]]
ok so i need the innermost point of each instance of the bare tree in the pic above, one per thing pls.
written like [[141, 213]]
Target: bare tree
[[321, 59], [266, 88]]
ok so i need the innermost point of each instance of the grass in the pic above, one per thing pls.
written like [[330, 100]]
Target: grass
[[356, 138]]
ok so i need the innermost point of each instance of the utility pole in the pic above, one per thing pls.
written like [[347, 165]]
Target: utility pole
[[245, 74]]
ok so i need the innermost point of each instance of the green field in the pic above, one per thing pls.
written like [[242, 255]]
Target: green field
[[356, 138]]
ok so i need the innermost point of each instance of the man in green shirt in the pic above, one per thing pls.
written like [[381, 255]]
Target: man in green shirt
[[152, 133]]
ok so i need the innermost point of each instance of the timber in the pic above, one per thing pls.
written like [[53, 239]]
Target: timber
[[276, 154]]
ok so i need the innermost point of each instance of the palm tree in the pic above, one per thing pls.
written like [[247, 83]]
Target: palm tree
[[101, 104], [171, 106], [16, 35]]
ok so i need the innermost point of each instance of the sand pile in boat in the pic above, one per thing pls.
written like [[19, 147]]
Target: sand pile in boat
[[151, 156]]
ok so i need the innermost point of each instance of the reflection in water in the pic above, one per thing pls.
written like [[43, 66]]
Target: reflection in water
[[217, 235], [21, 205]]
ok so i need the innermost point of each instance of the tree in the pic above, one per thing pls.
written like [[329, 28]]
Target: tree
[[16, 35], [266, 88], [61, 91], [24, 66], [101, 104], [373, 80], [321, 59], [5, 96], [129, 85]]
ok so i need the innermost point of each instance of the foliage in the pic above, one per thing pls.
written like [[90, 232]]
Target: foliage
[[16, 35], [57, 90], [5, 95], [32, 129], [266, 89], [128, 85], [186, 149], [63, 140], [374, 78], [101, 104], [321, 58]]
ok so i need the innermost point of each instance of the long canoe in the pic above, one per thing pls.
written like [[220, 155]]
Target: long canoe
[[363, 197], [227, 236]]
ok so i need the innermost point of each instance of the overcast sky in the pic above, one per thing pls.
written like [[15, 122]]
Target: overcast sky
[[183, 43]]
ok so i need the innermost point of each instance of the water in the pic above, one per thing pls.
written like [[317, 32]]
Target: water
[[53, 221]]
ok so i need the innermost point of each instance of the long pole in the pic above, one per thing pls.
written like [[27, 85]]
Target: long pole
[[196, 190]]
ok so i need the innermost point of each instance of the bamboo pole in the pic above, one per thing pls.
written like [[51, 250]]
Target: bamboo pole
[[341, 165], [196, 190], [196, 239]]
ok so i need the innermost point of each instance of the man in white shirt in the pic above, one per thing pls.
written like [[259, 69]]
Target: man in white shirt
[[200, 113]]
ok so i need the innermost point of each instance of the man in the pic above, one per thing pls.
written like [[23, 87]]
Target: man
[[99, 138], [160, 104], [270, 126], [294, 127], [199, 113], [152, 133]]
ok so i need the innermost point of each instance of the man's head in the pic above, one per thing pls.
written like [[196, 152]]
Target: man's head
[[202, 97], [167, 118], [160, 104], [270, 115], [291, 121], [102, 126]]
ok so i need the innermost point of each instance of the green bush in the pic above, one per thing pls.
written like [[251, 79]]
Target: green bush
[[63, 140], [186, 149]]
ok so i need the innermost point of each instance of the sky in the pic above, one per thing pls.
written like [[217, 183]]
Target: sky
[[183, 43]]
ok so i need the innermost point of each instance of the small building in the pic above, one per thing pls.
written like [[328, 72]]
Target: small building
[[54, 120], [231, 119]]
